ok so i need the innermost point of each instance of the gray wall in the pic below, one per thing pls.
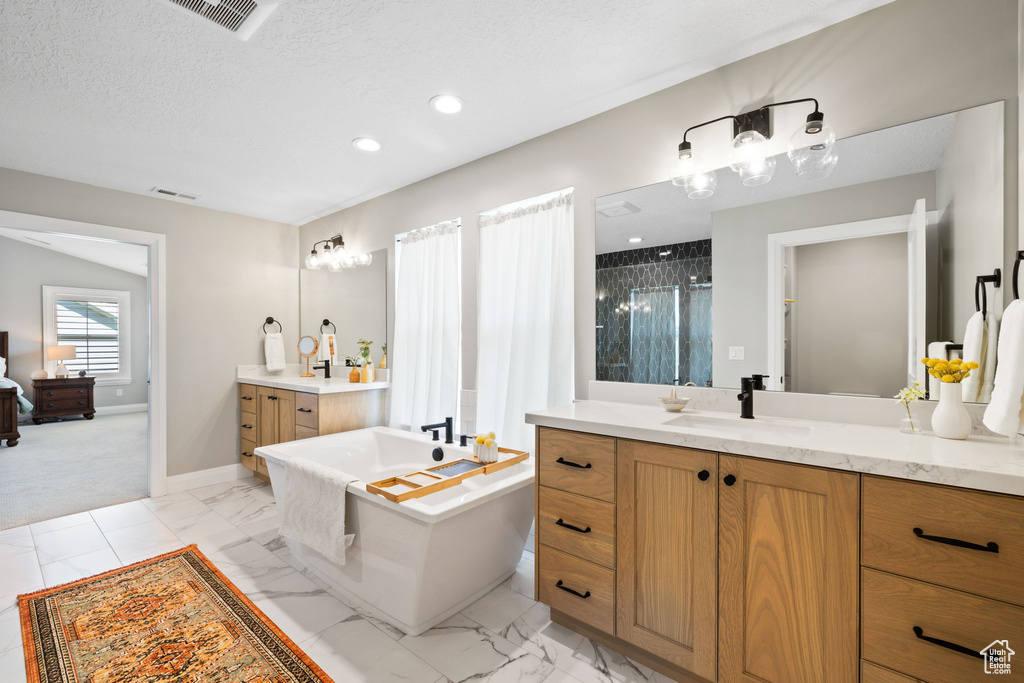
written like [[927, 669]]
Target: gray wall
[[24, 270], [739, 257], [225, 274], [968, 196], [851, 331], [902, 62]]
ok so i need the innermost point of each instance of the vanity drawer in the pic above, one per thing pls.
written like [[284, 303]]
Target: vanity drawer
[[261, 465], [578, 463], [593, 601], [909, 529], [892, 606], [247, 454], [593, 537], [305, 432], [306, 410], [247, 423], [247, 397], [872, 673]]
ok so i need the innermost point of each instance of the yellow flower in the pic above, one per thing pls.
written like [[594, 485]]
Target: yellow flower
[[480, 440], [971, 365], [942, 366], [489, 443], [956, 361], [957, 376], [947, 379], [931, 362]]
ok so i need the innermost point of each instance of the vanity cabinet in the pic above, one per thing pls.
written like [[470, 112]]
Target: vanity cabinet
[[788, 570], [270, 416], [725, 568]]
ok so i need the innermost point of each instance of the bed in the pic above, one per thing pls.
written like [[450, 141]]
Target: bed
[[8, 403]]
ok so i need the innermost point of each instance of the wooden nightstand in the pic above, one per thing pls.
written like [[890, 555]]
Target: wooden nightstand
[[57, 397]]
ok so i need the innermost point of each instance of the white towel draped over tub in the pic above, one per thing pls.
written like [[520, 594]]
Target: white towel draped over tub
[[314, 508], [273, 348]]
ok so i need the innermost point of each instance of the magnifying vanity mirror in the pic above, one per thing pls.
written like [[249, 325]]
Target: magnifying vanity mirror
[[829, 286], [308, 347]]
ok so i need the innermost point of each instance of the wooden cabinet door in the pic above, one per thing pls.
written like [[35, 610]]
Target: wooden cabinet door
[[285, 415], [666, 552], [266, 417], [788, 573]]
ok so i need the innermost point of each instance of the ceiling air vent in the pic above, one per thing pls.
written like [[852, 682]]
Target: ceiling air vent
[[240, 17], [185, 196]]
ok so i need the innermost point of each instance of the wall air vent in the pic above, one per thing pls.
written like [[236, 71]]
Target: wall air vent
[[171, 194], [240, 17]]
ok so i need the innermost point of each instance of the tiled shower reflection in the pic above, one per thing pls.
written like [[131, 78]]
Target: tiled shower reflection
[[654, 314]]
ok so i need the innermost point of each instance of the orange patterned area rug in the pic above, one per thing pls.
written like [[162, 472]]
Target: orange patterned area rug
[[171, 619]]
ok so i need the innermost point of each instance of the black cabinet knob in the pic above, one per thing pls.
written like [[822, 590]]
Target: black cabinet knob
[[49, 394], [49, 405], [81, 403], [703, 475], [729, 480]]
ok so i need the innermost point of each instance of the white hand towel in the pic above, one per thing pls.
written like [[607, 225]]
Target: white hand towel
[[328, 349], [314, 507], [974, 350], [938, 350], [991, 357], [1003, 415], [273, 348]]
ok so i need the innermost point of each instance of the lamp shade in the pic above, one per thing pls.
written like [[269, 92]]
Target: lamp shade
[[60, 353]]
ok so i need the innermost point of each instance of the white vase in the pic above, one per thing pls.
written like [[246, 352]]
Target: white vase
[[951, 419]]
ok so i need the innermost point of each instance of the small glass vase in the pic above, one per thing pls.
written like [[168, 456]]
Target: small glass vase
[[910, 426]]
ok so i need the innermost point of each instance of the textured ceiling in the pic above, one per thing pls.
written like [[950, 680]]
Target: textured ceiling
[[668, 216], [131, 95]]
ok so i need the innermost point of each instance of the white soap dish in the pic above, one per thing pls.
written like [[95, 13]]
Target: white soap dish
[[673, 404]]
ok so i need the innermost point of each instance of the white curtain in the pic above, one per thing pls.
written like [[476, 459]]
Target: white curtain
[[425, 358], [525, 318]]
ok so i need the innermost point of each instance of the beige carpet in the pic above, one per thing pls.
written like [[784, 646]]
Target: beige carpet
[[60, 468]]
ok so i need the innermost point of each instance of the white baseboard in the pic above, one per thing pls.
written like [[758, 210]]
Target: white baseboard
[[117, 410], [214, 475]]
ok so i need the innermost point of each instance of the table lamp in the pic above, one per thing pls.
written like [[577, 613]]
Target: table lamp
[[61, 354]]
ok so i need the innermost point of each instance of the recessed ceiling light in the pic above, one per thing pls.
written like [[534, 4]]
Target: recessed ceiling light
[[367, 144], [446, 104], [634, 240]]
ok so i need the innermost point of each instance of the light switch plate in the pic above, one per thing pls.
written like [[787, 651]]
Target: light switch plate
[[735, 353]]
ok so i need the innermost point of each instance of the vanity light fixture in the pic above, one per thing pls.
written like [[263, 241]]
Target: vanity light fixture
[[811, 149], [367, 144], [447, 104], [332, 256]]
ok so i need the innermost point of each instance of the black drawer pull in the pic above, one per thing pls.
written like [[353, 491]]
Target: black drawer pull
[[570, 463], [80, 392], [305, 410], [81, 403], [729, 479], [49, 394], [569, 590], [571, 527], [703, 475], [246, 426], [919, 632], [991, 547], [247, 454], [49, 405], [247, 398]]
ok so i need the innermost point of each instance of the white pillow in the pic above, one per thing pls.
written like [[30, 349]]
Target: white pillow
[[3, 366]]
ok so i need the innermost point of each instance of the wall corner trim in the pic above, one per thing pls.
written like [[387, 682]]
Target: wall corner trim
[[214, 475]]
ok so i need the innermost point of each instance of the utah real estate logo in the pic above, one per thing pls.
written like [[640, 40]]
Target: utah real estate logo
[[997, 657]]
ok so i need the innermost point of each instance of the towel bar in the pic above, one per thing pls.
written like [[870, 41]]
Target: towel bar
[[981, 297], [270, 320], [327, 322]]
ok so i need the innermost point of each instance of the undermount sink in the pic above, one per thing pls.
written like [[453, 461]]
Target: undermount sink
[[737, 425]]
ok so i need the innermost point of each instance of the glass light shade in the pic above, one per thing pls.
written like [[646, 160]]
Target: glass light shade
[[328, 256], [334, 266], [758, 174], [813, 154], [684, 169], [701, 185], [347, 262], [748, 148], [313, 261], [363, 259]]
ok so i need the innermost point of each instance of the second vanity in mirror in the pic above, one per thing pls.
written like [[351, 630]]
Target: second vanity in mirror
[[837, 285]]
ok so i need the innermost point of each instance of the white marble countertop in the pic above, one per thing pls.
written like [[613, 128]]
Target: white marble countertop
[[289, 379], [980, 462]]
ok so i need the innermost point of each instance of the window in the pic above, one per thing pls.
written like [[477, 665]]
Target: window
[[96, 323]]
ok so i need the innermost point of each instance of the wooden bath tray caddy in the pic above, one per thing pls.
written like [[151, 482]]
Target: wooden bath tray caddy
[[440, 477]]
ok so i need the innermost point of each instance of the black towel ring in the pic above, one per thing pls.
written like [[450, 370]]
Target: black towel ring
[[271, 321], [325, 324], [1016, 270], [981, 291]]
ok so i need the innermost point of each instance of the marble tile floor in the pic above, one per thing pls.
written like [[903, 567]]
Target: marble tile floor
[[503, 637]]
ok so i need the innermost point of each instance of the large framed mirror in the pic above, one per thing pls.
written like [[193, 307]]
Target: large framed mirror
[[353, 299], [837, 285]]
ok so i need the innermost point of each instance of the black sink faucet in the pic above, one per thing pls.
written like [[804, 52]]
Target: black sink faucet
[[326, 367], [448, 429], [759, 381], [746, 397]]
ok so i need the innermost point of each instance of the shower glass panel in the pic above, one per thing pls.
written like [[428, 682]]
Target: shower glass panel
[[654, 334]]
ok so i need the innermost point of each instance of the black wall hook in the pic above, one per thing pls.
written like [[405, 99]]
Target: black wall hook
[[1016, 270], [327, 322], [270, 321], [981, 291]]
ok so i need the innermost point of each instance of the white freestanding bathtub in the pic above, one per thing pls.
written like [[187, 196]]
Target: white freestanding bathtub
[[415, 563]]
